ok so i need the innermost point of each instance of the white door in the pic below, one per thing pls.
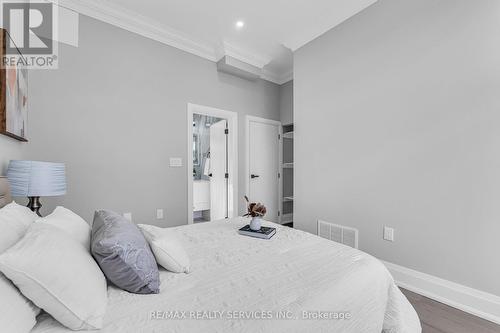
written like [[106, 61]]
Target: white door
[[218, 169], [264, 168]]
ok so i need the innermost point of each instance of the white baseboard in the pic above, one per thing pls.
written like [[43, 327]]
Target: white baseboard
[[473, 301]]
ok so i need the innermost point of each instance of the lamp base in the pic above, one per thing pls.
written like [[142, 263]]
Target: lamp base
[[35, 205]]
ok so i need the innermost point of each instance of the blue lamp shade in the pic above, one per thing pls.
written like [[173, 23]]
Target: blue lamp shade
[[36, 179]]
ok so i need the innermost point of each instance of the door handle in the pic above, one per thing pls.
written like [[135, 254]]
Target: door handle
[[254, 176]]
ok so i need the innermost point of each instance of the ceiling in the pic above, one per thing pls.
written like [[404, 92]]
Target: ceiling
[[272, 29]]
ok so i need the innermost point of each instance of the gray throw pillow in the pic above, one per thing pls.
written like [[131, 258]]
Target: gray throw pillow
[[123, 254]]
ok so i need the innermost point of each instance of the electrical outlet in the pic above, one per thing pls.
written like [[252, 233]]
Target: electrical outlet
[[128, 216], [159, 214], [389, 234]]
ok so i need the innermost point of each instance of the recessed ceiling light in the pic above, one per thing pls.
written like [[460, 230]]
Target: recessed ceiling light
[[240, 24]]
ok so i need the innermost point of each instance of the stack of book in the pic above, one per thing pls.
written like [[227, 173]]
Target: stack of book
[[264, 232]]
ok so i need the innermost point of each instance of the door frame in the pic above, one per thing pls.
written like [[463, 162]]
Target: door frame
[[248, 120], [232, 125]]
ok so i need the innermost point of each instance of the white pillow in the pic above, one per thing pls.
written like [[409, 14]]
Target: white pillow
[[14, 221], [17, 313], [168, 251], [57, 274], [70, 222]]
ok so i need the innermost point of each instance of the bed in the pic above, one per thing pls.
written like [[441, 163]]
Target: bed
[[294, 282]]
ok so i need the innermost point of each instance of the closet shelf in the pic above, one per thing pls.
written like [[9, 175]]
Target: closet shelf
[[288, 165], [288, 135], [287, 199]]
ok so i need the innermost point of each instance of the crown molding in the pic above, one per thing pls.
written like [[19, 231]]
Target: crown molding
[[288, 76], [277, 78], [128, 20], [139, 24]]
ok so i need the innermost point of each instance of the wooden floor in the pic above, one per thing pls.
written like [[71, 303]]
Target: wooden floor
[[439, 318]]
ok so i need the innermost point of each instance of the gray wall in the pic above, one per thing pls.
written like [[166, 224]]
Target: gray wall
[[286, 103], [10, 149], [115, 112], [402, 107]]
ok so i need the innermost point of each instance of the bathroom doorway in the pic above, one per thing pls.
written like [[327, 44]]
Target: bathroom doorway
[[209, 168], [212, 169]]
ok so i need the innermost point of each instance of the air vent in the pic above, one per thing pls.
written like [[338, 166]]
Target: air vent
[[338, 233]]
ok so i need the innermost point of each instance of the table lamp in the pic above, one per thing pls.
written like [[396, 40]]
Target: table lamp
[[35, 179]]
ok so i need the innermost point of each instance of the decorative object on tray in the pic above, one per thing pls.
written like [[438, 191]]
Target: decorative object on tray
[[263, 232], [13, 94], [256, 210], [35, 179]]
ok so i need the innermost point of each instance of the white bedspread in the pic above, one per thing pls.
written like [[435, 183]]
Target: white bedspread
[[237, 276]]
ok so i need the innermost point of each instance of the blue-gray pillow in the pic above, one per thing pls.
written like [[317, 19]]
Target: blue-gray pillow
[[123, 254]]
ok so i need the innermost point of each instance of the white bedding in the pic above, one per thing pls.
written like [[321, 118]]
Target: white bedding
[[291, 273]]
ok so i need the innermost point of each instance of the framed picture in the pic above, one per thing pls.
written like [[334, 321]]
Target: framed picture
[[13, 95]]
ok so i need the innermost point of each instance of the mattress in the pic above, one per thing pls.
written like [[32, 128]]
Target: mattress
[[294, 282]]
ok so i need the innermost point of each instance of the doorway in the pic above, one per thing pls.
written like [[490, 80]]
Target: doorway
[[212, 164], [264, 164]]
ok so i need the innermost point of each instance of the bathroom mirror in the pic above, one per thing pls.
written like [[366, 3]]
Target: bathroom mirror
[[196, 150]]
